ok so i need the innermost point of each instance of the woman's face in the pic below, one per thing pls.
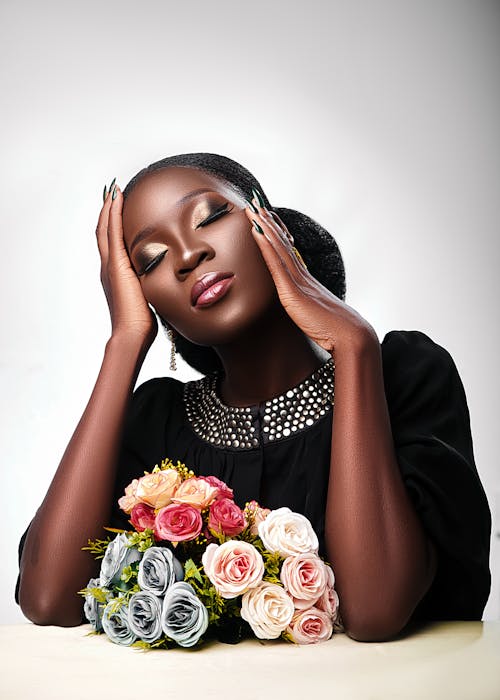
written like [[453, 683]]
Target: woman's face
[[191, 224]]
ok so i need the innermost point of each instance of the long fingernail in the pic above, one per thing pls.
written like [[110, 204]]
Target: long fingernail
[[258, 197], [257, 227], [112, 183], [115, 192], [105, 192], [252, 206]]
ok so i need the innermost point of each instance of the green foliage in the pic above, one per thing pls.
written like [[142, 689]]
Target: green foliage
[[141, 540], [100, 594], [215, 604], [162, 643], [272, 564], [97, 547], [192, 571], [129, 573]]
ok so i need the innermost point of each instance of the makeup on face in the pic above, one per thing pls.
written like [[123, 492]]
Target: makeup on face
[[204, 213]]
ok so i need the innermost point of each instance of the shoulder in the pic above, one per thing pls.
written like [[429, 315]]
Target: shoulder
[[414, 354], [399, 346], [155, 394], [418, 371]]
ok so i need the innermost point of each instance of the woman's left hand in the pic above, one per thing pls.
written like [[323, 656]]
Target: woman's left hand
[[321, 315]]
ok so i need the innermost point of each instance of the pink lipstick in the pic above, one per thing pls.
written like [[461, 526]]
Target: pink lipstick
[[210, 288]]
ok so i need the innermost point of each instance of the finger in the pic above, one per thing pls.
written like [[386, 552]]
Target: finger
[[285, 284], [116, 244], [278, 239], [102, 226], [281, 223]]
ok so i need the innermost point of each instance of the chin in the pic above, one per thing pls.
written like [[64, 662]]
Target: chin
[[222, 324]]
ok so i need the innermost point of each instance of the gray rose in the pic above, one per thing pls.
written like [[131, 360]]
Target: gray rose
[[184, 618], [144, 616], [92, 608], [118, 555], [116, 625], [158, 570]]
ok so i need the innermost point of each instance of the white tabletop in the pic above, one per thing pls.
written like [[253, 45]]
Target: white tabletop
[[456, 660]]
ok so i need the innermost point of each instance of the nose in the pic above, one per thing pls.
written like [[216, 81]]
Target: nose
[[190, 254]]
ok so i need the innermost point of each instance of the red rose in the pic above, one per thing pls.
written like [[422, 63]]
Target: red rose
[[223, 489], [142, 516], [226, 518], [177, 522]]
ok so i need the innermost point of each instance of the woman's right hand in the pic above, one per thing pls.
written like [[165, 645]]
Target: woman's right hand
[[131, 317]]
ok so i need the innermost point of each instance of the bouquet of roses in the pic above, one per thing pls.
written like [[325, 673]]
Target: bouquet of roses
[[196, 565]]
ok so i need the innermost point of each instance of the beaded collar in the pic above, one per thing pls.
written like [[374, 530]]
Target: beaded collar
[[245, 428]]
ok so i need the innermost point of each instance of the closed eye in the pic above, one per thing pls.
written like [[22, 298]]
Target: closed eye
[[220, 211], [152, 264]]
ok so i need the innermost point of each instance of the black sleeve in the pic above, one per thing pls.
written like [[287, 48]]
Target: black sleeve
[[432, 436], [142, 444]]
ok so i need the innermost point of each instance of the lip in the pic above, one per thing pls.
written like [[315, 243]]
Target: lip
[[207, 281]]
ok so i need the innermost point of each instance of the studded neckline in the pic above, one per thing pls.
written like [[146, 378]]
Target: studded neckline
[[247, 427]]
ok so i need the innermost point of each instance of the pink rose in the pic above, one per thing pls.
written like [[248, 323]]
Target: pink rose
[[305, 578], [329, 601], [226, 518], [233, 567], [310, 626], [255, 515], [142, 516], [196, 492], [223, 490], [128, 501], [178, 522], [156, 489]]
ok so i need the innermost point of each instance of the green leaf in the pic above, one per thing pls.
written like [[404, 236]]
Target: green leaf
[[192, 571]]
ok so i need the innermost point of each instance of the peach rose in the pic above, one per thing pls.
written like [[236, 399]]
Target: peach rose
[[226, 518], [129, 500], [178, 522], [288, 533], [268, 609], [310, 626], [156, 489], [233, 567], [196, 492], [305, 578]]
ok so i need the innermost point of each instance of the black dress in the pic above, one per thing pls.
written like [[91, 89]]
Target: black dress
[[288, 464]]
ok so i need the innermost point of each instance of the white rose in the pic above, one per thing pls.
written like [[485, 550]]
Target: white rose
[[268, 609], [288, 533]]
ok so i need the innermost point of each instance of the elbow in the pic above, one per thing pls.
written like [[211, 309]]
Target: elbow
[[48, 610], [373, 627]]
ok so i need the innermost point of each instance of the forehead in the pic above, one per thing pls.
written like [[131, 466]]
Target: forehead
[[158, 195]]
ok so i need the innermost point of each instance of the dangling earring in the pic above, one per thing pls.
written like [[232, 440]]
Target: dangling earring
[[171, 337]]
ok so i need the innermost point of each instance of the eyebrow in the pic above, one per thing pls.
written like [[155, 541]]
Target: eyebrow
[[148, 230]]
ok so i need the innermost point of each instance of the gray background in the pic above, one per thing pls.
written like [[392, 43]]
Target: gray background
[[379, 119]]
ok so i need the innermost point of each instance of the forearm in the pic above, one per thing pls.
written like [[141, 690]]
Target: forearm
[[78, 502], [374, 539]]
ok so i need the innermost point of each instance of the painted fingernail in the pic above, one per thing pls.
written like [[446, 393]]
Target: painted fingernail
[[257, 227], [104, 193], [252, 206], [112, 183], [258, 197], [115, 192]]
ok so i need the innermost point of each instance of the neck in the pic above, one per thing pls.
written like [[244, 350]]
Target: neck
[[268, 359]]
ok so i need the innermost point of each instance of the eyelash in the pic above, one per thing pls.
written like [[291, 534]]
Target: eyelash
[[220, 211]]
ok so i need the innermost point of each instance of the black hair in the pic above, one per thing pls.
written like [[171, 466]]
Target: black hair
[[318, 248]]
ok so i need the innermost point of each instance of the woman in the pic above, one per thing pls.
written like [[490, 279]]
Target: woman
[[301, 405]]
